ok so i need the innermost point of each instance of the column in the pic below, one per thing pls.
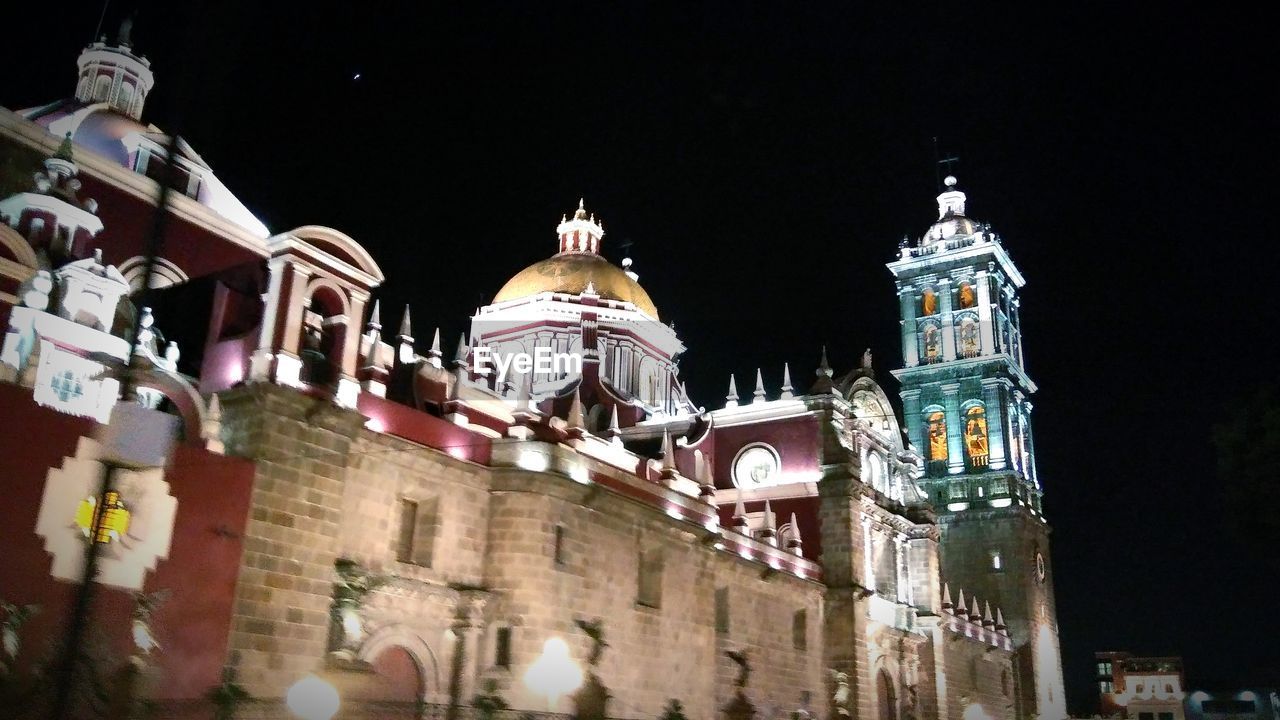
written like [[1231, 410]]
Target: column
[[868, 552], [904, 582], [992, 399], [955, 450], [1031, 447], [1017, 329], [986, 313], [944, 317], [907, 303], [915, 423]]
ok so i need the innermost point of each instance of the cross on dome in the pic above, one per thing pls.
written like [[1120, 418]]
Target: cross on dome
[[581, 234]]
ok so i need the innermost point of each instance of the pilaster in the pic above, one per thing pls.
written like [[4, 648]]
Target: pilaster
[[948, 322], [986, 313], [993, 402], [907, 303], [955, 449]]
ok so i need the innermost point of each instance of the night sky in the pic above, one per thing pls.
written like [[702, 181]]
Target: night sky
[[765, 160]]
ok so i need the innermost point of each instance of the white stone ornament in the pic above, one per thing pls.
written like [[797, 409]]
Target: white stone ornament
[[136, 536], [756, 466]]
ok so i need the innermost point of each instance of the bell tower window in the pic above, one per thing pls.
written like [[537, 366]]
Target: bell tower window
[[975, 437], [929, 302], [966, 296], [936, 427], [967, 337], [931, 340]]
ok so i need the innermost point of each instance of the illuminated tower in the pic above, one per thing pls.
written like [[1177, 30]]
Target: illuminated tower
[[966, 400]]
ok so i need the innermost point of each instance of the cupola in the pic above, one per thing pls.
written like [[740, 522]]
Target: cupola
[[113, 74]]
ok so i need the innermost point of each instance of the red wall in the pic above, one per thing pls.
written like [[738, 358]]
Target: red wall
[[213, 494]]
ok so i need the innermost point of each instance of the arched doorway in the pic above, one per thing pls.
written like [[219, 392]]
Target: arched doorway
[[886, 698], [402, 678]]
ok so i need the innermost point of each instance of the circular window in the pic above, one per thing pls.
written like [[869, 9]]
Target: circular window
[[756, 466]]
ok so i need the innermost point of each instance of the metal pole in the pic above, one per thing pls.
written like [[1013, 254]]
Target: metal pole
[[63, 700]]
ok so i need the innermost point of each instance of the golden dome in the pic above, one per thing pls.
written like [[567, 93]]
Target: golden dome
[[570, 273]]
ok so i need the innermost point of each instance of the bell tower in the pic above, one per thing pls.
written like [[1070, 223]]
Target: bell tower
[[966, 401]]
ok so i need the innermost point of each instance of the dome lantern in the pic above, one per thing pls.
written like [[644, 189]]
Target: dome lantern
[[581, 234], [114, 74]]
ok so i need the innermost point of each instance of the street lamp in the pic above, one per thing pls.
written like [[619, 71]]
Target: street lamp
[[554, 674], [312, 699]]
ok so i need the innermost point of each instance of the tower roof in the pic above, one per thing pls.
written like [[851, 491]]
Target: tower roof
[[576, 266], [952, 222]]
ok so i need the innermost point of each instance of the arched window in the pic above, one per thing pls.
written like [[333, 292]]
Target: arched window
[[101, 87], [320, 348], [936, 431], [124, 100], [975, 436], [873, 473], [966, 296], [931, 339], [967, 337], [886, 698], [929, 302]]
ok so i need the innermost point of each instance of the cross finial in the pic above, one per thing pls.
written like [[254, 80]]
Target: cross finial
[[941, 162]]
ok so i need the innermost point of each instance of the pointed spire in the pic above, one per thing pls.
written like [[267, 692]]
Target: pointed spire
[[434, 354], [769, 533], [668, 455], [464, 349], [961, 610], [614, 431], [975, 609], [375, 318], [1000, 626], [823, 384], [740, 516], [590, 289], [787, 390], [758, 395], [731, 400], [986, 615], [575, 413], [406, 327], [946, 597], [794, 543]]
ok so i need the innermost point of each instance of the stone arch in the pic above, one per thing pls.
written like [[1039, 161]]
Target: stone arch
[[166, 272], [341, 246], [403, 637], [188, 403], [886, 696], [322, 344]]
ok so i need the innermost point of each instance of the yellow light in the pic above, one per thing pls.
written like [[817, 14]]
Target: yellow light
[[105, 525], [553, 674]]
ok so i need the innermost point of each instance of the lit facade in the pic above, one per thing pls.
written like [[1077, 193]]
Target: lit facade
[[1142, 688], [418, 527]]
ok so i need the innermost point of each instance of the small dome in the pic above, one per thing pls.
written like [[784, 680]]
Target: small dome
[[570, 273]]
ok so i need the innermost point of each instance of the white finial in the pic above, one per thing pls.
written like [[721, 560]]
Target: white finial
[[946, 596], [590, 289], [406, 327], [375, 319], [949, 181], [740, 515], [575, 418], [731, 400], [758, 395], [787, 390], [582, 203]]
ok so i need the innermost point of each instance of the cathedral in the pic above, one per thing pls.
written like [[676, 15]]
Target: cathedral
[[535, 520]]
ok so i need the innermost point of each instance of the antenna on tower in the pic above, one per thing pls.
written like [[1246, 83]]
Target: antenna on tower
[[101, 18], [939, 161]]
